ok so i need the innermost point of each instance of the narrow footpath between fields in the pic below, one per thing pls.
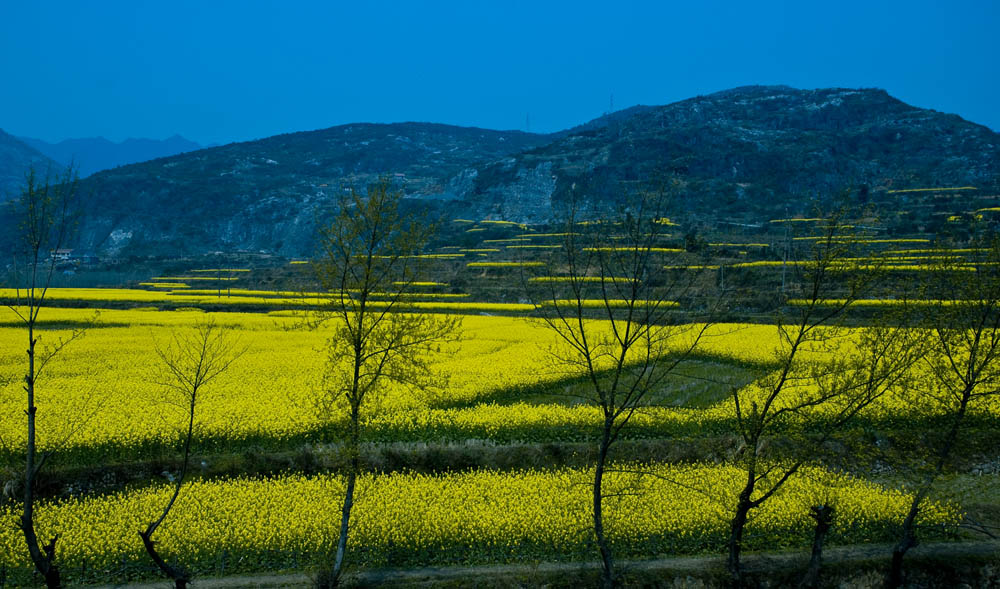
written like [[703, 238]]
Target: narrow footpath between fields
[[523, 575]]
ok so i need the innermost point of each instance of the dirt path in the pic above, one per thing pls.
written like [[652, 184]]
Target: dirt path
[[680, 566]]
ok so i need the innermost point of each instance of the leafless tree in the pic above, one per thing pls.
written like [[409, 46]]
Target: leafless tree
[[369, 259], [963, 361], [614, 270], [821, 374], [189, 363], [45, 212]]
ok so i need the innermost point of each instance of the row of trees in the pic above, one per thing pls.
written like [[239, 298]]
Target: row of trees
[[817, 375], [939, 353]]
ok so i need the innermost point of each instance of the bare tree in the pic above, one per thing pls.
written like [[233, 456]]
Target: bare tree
[[822, 374], [614, 270], [190, 362], [963, 361], [45, 210], [369, 259]]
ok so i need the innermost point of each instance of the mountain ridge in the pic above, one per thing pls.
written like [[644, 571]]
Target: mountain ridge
[[745, 153], [745, 146]]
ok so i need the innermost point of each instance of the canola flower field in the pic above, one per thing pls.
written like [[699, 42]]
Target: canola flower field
[[268, 392], [267, 397], [265, 402], [457, 517], [251, 298]]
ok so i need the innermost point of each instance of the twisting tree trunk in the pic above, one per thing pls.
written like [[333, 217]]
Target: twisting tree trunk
[[823, 515], [189, 365], [180, 576]]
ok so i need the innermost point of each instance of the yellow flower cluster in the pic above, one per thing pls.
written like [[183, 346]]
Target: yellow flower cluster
[[504, 264], [659, 250], [222, 270], [739, 245]]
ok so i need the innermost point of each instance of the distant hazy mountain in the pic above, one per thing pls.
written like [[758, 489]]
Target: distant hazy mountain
[[97, 153], [15, 158]]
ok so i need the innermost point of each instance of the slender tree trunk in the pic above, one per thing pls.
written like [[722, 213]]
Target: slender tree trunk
[[738, 524], [909, 538], [42, 557], [345, 514], [607, 564], [823, 514], [736, 528]]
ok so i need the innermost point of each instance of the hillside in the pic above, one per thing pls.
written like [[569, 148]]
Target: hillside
[[264, 195], [750, 152], [94, 154], [748, 155], [15, 158]]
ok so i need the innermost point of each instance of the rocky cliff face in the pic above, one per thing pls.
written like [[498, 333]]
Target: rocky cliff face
[[748, 153]]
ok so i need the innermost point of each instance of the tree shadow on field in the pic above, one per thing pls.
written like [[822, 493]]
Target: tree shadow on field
[[696, 383]]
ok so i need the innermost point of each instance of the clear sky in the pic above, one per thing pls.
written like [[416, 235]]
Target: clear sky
[[217, 71]]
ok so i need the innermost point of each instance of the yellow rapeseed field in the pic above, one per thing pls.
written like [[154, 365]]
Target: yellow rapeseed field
[[479, 515], [103, 386], [268, 392]]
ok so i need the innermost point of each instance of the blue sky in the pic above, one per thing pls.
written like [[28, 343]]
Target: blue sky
[[218, 71]]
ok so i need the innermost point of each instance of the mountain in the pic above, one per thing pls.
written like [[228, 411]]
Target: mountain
[[97, 153], [15, 159], [747, 154], [753, 152], [265, 194]]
